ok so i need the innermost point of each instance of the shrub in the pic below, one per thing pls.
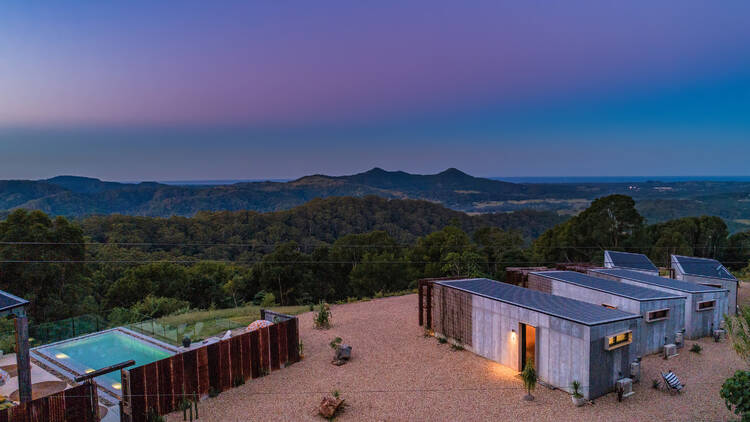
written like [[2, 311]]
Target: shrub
[[696, 348], [269, 300], [529, 377], [258, 298], [238, 380], [655, 384], [736, 393], [576, 386], [322, 319], [456, 347], [442, 340], [212, 392]]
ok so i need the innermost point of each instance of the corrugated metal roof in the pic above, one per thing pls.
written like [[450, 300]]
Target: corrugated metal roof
[[562, 307], [637, 261], [609, 286], [9, 301], [654, 280], [703, 267]]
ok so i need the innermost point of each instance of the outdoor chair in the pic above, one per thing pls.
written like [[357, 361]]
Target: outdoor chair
[[672, 383]]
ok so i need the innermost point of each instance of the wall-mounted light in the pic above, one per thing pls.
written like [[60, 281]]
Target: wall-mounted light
[[513, 335]]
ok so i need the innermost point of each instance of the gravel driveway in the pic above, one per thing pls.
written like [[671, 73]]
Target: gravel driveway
[[398, 374]]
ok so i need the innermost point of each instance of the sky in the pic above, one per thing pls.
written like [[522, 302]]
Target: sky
[[191, 90]]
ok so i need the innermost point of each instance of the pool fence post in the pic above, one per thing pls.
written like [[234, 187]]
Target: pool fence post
[[23, 361]]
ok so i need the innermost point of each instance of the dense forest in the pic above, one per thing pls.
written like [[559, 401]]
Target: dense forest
[[328, 249]]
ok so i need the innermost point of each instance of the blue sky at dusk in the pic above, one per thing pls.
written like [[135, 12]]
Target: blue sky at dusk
[[146, 90]]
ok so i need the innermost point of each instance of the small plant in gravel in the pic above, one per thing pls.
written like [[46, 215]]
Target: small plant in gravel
[[212, 392], [322, 319], [529, 379], [696, 348], [238, 380], [335, 343], [655, 384], [301, 349], [456, 347], [442, 340], [576, 395]]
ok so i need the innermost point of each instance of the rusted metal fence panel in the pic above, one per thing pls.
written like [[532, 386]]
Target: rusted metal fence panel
[[77, 404], [163, 384]]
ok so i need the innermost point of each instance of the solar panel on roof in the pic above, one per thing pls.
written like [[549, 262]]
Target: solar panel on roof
[[570, 309], [608, 286], [631, 260], [670, 283], [703, 267]]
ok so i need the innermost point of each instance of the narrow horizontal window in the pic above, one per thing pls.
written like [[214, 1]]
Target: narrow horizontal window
[[606, 305], [657, 315], [706, 305], [618, 340], [718, 286]]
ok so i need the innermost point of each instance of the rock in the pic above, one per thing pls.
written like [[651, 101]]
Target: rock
[[329, 406]]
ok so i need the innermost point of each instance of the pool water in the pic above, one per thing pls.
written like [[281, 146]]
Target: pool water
[[105, 349]]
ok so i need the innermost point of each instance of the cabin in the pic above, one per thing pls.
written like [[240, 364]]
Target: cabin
[[566, 340], [708, 272], [663, 313], [630, 261], [705, 306]]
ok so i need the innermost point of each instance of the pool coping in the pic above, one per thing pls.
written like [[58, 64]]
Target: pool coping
[[70, 374]]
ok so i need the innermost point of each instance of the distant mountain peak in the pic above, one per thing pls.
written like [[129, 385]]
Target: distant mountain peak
[[453, 172]]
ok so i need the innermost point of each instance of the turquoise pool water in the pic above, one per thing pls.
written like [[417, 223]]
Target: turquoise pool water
[[104, 349]]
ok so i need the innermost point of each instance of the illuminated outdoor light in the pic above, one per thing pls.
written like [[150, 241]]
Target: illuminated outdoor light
[[88, 371], [513, 335], [117, 386], [61, 356]]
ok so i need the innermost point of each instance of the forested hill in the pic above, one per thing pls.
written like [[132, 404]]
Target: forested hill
[[73, 196], [318, 221]]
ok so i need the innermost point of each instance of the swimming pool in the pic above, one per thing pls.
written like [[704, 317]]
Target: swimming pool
[[95, 351]]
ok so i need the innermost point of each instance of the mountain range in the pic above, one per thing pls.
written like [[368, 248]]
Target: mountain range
[[75, 196]]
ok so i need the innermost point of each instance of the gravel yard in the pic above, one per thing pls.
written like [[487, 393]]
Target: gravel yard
[[398, 374]]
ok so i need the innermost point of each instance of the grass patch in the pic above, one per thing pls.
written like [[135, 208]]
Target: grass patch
[[199, 325]]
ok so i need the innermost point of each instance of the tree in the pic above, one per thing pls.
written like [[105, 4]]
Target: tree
[[57, 288], [736, 393], [287, 271], [431, 253], [608, 223]]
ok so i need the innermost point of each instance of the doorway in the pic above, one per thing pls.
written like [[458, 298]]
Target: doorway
[[528, 345]]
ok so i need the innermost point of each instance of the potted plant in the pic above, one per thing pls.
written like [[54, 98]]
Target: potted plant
[[577, 397], [529, 380], [186, 342]]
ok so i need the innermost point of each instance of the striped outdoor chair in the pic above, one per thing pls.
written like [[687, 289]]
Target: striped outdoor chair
[[672, 383]]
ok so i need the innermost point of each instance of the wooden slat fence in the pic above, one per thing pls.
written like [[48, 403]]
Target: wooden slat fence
[[77, 404], [219, 366]]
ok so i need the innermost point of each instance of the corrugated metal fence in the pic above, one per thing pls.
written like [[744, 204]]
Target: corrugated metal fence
[[77, 404], [162, 385]]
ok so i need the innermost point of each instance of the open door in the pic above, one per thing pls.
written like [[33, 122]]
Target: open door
[[528, 345]]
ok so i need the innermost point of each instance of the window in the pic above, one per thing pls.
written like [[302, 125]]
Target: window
[[659, 315], [618, 340], [707, 305], [609, 306], [718, 286]]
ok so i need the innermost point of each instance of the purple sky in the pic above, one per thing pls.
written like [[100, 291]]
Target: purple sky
[[152, 90]]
